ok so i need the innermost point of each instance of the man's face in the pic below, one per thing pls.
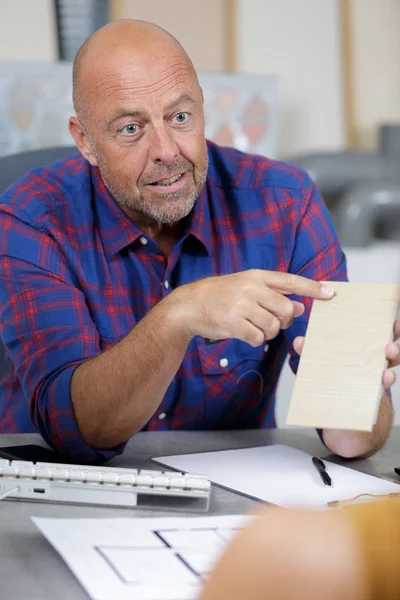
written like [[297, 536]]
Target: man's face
[[147, 133]]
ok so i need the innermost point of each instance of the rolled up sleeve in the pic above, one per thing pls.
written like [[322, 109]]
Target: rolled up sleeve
[[48, 331]]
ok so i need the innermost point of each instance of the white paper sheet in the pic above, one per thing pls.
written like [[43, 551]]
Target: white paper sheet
[[279, 474], [141, 559]]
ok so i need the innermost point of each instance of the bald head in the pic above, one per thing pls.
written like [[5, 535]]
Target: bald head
[[123, 42], [140, 119]]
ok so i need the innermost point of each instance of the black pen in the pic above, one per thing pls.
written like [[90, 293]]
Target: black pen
[[320, 466]]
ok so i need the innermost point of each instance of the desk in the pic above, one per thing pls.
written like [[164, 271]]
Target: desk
[[30, 568]]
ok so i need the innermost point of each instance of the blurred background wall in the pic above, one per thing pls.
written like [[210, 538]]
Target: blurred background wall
[[331, 90], [375, 67], [203, 28], [300, 42], [27, 30]]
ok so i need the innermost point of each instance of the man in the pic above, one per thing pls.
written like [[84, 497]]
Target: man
[[141, 280]]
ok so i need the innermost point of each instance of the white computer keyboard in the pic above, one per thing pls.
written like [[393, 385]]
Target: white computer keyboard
[[110, 486]]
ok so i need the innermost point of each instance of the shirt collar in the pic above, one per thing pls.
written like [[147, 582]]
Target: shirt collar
[[116, 228], [199, 225], [118, 231]]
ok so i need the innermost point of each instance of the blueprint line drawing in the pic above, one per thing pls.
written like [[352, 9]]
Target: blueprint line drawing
[[188, 554], [142, 558]]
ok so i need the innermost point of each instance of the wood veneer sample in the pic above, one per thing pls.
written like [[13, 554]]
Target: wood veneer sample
[[339, 380]]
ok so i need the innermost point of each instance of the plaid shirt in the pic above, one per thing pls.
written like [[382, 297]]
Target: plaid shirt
[[76, 275]]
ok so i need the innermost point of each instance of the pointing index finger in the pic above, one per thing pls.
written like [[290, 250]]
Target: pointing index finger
[[287, 283]]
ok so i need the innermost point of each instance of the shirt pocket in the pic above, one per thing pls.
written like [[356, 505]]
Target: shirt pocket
[[228, 357]]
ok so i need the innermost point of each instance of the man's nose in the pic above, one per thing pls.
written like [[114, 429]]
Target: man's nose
[[163, 146]]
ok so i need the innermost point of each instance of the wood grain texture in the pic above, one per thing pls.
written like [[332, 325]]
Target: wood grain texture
[[339, 380]]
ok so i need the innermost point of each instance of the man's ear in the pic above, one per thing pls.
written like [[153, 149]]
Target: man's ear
[[81, 140]]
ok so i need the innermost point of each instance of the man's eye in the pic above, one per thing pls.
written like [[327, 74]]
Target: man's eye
[[131, 128], [181, 117]]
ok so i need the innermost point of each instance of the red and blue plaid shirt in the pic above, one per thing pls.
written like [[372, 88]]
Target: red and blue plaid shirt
[[76, 275]]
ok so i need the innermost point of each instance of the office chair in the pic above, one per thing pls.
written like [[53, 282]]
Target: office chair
[[12, 168]]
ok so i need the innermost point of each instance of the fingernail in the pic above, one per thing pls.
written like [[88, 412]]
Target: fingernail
[[299, 306], [391, 377], [327, 291]]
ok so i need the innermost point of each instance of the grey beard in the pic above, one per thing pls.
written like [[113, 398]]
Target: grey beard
[[155, 212], [160, 216]]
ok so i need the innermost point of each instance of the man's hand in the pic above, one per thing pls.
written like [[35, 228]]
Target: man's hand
[[392, 351], [393, 356], [251, 306]]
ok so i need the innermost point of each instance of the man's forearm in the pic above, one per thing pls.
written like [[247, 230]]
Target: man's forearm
[[116, 393], [350, 444]]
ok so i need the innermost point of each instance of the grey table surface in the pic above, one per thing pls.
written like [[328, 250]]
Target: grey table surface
[[31, 569]]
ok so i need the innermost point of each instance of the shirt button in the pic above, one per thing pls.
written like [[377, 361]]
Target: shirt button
[[143, 240], [266, 347], [161, 416], [166, 284], [224, 362]]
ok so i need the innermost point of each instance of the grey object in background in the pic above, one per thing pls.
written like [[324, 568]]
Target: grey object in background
[[389, 140], [334, 172], [361, 189], [76, 21], [14, 166], [367, 211]]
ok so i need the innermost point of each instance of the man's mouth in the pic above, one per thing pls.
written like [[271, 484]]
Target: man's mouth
[[167, 182]]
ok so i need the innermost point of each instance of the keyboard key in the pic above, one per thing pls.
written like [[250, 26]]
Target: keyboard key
[[43, 472], [195, 483], [144, 480], [93, 476], [160, 481], [110, 478], [77, 475], [26, 472], [8, 471], [198, 482], [177, 482], [59, 474], [127, 479]]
